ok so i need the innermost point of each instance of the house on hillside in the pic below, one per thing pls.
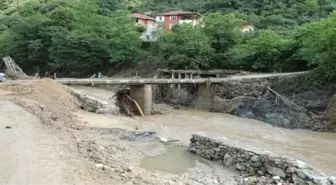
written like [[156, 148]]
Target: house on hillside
[[143, 19], [178, 17], [149, 23], [246, 27]]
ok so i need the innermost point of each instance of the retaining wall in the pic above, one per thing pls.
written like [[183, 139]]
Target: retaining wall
[[252, 161]]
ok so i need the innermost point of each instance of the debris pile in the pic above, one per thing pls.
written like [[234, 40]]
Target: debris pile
[[14, 71], [127, 104], [52, 102]]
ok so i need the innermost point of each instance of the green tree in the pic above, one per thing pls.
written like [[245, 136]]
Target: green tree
[[223, 32], [317, 45], [59, 35], [185, 48], [263, 53]]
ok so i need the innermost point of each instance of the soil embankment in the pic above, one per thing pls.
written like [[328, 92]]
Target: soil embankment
[[36, 145]]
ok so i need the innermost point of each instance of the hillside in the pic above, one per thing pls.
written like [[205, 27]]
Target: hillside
[[267, 14], [87, 36]]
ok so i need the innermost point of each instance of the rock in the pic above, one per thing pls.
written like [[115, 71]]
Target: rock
[[300, 164], [276, 171], [171, 182], [99, 166], [251, 171], [123, 175], [105, 168], [228, 160], [129, 169], [215, 181], [162, 139], [332, 180], [54, 118], [301, 174], [276, 178], [298, 180], [310, 183], [322, 181], [8, 127], [129, 183], [257, 164], [240, 167], [255, 158], [290, 170], [261, 173]]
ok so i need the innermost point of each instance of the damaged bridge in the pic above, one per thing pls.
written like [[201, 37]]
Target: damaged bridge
[[141, 88]]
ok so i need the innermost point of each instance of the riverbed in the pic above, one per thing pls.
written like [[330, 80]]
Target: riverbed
[[315, 148]]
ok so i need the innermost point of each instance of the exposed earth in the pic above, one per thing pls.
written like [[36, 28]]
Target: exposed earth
[[45, 142], [47, 139]]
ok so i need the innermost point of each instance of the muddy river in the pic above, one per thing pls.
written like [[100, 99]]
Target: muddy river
[[315, 148]]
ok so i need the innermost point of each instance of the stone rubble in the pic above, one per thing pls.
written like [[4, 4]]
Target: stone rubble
[[92, 104], [253, 162]]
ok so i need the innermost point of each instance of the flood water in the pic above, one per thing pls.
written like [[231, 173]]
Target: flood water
[[175, 161], [315, 148]]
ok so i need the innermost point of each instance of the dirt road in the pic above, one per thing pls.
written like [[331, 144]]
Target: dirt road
[[33, 154]]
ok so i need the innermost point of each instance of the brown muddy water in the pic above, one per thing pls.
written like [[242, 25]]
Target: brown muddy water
[[315, 148], [176, 160]]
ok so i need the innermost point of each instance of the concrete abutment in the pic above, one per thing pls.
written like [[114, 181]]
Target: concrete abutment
[[143, 95], [205, 95]]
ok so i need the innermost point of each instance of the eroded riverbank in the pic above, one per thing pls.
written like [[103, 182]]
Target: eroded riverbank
[[115, 148], [315, 148]]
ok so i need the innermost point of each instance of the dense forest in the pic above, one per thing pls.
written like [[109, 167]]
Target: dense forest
[[92, 35]]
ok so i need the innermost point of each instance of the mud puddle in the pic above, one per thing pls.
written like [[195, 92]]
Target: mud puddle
[[176, 160]]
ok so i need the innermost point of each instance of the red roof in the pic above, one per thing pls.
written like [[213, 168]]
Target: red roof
[[181, 13], [142, 16]]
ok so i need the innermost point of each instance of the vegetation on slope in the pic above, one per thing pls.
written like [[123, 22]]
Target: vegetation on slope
[[91, 35]]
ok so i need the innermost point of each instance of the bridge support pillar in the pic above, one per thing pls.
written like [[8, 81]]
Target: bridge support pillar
[[143, 95], [205, 96]]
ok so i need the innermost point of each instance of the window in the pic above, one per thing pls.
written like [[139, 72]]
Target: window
[[159, 18], [187, 17], [171, 26], [173, 18]]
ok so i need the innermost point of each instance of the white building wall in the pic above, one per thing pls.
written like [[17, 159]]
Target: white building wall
[[159, 18]]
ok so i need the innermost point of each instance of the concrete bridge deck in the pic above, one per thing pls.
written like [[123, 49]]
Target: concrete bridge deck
[[142, 81]]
